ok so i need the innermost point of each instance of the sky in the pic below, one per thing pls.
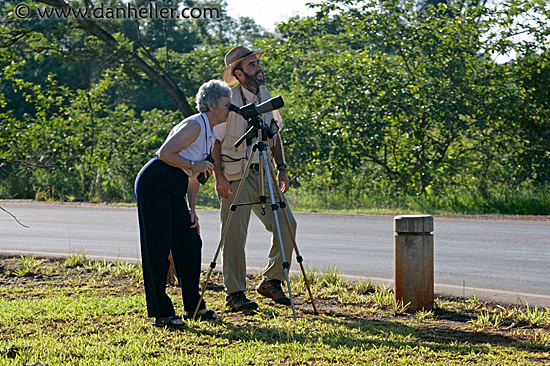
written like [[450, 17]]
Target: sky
[[268, 13]]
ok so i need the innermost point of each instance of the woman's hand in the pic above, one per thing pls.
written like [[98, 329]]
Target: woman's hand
[[194, 219], [203, 167]]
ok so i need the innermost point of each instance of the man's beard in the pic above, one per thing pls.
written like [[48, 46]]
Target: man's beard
[[254, 80]]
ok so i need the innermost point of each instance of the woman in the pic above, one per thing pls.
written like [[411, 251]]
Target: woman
[[165, 221]]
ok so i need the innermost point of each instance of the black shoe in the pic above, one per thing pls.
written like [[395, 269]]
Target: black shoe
[[237, 301], [272, 289]]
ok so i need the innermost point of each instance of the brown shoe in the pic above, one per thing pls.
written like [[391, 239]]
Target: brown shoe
[[273, 290], [237, 301]]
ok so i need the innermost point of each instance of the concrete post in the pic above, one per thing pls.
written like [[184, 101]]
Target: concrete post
[[414, 261]]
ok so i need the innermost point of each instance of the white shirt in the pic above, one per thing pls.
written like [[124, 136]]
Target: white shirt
[[203, 144]]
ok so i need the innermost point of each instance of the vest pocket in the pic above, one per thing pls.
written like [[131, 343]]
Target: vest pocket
[[233, 167]]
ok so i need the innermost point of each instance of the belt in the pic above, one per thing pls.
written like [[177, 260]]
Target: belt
[[255, 167]]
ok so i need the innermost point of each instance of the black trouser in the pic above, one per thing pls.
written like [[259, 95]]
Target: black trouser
[[164, 225]]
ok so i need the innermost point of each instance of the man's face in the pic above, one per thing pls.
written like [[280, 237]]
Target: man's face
[[252, 72]]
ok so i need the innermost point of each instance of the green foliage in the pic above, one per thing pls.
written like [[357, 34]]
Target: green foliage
[[388, 104], [510, 317], [331, 278], [98, 317], [75, 260], [526, 199], [117, 269], [472, 304], [485, 319], [409, 104], [423, 315], [78, 118], [70, 144], [535, 317], [28, 267], [383, 297]]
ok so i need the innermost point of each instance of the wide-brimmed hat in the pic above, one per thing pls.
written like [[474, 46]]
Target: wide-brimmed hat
[[233, 58]]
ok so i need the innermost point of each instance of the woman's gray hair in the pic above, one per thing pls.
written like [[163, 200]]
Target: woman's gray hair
[[210, 93]]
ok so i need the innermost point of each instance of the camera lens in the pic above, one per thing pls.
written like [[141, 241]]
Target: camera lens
[[202, 178]]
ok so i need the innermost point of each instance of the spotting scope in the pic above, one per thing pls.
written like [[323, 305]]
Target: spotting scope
[[252, 110]]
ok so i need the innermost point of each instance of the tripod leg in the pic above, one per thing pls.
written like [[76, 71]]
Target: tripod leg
[[274, 207], [263, 198], [299, 258], [224, 233]]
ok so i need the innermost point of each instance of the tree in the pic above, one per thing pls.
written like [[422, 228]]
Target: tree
[[411, 103], [145, 44], [68, 87], [140, 56]]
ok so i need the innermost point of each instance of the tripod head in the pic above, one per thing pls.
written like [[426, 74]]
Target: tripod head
[[252, 112]]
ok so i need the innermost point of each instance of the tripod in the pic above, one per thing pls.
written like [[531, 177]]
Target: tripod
[[265, 169]]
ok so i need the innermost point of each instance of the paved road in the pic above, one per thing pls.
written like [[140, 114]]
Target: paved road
[[501, 260]]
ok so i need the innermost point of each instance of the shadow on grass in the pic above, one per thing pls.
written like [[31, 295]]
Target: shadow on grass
[[457, 316], [355, 333]]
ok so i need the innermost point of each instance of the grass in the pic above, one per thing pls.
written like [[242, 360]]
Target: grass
[[528, 201], [499, 200], [29, 267], [93, 313]]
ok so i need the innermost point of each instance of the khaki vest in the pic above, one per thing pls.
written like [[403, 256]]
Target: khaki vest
[[234, 159]]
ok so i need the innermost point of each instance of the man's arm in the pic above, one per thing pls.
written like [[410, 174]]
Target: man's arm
[[222, 184], [279, 157]]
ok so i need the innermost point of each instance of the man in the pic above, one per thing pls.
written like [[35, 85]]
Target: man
[[243, 66]]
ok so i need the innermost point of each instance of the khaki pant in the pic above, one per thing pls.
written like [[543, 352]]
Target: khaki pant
[[233, 255]]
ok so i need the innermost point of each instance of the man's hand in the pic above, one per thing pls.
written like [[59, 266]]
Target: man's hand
[[284, 182], [222, 184], [223, 187], [194, 221]]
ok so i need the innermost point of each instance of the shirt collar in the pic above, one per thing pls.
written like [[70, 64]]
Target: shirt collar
[[250, 97]]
